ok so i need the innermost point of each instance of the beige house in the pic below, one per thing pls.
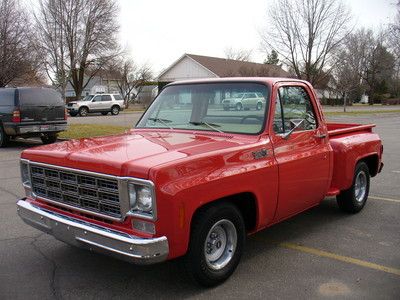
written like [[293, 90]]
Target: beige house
[[190, 66]]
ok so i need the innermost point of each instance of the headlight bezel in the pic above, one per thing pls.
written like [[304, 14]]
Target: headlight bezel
[[25, 174], [135, 209]]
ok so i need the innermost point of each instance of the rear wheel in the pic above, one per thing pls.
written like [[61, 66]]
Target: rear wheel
[[239, 106], [73, 114], [4, 138], [49, 138], [216, 244], [115, 110], [353, 199], [259, 106]]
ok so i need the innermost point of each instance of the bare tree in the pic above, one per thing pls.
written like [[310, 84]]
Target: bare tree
[[130, 77], [238, 54], [364, 64], [305, 33], [16, 56], [50, 30], [87, 31]]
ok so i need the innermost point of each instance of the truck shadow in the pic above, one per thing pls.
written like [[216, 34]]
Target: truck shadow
[[103, 276], [20, 143]]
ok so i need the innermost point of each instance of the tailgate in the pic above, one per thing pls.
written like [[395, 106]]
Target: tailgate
[[40, 105]]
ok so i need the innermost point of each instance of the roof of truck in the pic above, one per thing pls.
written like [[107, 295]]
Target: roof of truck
[[268, 80]]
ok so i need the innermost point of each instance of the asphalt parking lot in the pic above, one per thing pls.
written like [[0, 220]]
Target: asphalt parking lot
[[322, 253]]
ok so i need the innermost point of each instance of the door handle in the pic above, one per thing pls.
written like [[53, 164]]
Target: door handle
[[320, 136]]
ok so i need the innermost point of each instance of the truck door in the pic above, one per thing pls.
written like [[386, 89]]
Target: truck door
[[303, 156]]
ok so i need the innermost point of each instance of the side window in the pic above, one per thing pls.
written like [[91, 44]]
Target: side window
[[96, 99], [295, 106], [105, 98]]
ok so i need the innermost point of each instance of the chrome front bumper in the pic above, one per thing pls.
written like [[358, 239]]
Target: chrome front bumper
[[93, 237]]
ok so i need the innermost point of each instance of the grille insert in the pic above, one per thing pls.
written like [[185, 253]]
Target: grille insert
[[88, 192]]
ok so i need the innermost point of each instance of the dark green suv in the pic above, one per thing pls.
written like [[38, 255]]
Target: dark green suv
[[31, 112]]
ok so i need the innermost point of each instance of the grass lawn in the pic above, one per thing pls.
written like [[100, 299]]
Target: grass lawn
[[76, 131]]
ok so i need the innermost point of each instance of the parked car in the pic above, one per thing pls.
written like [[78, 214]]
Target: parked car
[[31, 112], [193, 182], [244, 101], [103, 103]]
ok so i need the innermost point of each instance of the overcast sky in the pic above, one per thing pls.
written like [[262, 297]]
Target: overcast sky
[[159, 32]]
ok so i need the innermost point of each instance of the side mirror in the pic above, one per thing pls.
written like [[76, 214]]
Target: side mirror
[[286, 135]]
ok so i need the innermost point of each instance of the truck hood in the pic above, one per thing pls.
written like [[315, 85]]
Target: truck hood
[[133, 153]]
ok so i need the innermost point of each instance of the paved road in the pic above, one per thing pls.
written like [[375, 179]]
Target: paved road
[[333, 260]]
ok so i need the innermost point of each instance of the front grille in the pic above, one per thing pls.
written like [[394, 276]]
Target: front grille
[[89, 192]]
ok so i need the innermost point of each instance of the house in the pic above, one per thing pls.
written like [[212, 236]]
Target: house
[[190, 66]]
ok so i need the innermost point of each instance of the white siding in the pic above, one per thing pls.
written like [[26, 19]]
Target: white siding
[[184, 69]]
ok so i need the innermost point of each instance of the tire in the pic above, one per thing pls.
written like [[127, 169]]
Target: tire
[[49, 138], [104, 113], [239, 106], [216, 244], [4, 138], [259, 106], [353, 200], [226, 108], [115, 110], [73, 114], [83, 111]]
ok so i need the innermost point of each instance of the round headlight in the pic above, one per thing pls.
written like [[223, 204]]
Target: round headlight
[[144, 199]]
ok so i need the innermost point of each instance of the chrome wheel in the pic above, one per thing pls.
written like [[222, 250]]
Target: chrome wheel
[[83, 112], [220, 244], [360, 186]]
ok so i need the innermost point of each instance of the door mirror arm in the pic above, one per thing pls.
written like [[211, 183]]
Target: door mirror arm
[[286, 135]]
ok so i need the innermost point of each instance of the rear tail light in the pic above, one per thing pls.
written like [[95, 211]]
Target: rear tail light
[[16, 116]]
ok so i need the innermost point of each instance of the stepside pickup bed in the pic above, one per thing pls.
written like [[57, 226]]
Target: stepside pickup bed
[[194, 179]]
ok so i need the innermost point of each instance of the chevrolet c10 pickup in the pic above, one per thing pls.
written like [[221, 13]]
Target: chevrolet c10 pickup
[[193, 179]]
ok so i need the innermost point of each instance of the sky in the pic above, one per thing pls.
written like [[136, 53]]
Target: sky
[[159, 32]]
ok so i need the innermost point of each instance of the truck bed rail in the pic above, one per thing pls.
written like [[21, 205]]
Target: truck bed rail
[[335, 129]]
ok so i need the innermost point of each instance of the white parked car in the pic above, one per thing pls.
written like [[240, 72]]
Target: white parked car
[[103, 103], [244, 101]]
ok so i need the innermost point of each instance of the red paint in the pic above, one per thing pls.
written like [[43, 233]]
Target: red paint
[[192, 168]]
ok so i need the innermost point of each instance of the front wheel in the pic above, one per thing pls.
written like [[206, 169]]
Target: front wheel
[[239, 106], [353, 199], [216, 244], [83, 111]]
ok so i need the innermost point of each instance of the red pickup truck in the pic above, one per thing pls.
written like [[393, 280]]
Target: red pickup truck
[[194, 179]]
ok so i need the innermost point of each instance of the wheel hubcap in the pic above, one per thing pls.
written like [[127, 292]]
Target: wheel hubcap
[[220, 244], [360, 186]]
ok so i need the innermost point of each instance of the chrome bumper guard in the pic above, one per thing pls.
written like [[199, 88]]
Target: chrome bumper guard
[[93, 237]]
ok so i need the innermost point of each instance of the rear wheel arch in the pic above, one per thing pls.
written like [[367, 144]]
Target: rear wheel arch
[[372, 163]]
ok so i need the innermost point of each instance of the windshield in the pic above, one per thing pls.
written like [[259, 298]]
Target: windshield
[[88, 98], [209, 107]]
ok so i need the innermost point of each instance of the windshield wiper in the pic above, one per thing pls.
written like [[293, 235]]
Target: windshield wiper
[[162, 121], [209, 125]]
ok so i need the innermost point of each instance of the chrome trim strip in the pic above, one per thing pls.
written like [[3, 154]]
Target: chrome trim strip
[[91, 236], [122, 189]]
